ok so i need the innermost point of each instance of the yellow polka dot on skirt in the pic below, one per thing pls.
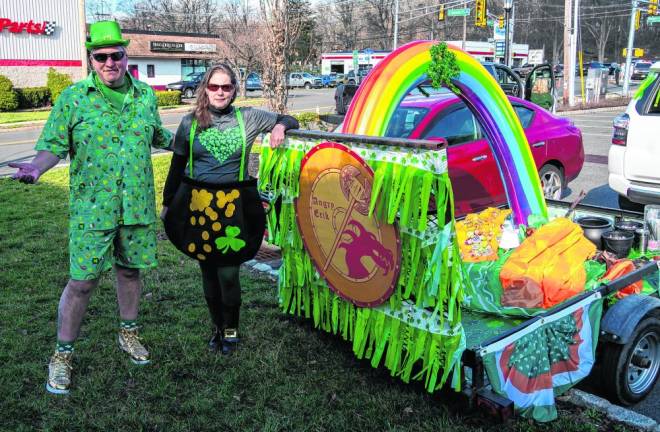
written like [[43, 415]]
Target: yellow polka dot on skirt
[[201, 257], [216, 226], [191, 247], [205, 235], [207, 248], [193, 220]]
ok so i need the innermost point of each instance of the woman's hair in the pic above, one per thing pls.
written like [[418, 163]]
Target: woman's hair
[[201, 112]]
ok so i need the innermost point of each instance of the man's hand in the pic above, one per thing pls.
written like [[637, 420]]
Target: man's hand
[[27, 172], [277, 135]]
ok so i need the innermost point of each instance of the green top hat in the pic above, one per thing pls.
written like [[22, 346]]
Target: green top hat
[[104, 34]]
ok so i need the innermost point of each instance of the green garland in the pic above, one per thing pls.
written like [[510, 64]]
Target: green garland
[[420, 324], [443, 67]]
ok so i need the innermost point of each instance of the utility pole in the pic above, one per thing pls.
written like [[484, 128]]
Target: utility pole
[[571, 66], [629, 51], [508, 4], [396, 24], [464, 28], [567, 49]]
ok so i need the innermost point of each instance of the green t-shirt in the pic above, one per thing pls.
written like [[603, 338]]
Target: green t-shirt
[[115, 96]]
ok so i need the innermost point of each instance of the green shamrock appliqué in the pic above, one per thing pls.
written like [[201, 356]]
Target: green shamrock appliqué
[[231, 241]]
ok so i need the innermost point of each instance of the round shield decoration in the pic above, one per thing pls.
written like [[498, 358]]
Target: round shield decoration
[[358, 255]]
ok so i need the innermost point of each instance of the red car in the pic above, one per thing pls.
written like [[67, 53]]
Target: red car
[[555, 142]]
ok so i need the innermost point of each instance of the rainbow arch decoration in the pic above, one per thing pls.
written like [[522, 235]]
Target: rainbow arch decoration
[[405, 68]]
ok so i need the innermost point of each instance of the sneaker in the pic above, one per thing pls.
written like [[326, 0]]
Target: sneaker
[[129, 341], [230, 341], [59, 373]]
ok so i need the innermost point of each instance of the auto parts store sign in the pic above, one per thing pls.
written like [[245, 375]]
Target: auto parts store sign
[[46, 28]]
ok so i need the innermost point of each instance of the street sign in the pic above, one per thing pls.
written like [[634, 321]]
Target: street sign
[[458, 12], [499, 48], [653, 19]]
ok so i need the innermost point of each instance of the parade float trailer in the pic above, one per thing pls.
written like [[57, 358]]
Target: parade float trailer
[[372, 252]]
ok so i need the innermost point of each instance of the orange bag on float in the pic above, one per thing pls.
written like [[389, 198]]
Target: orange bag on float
[[551, 261], [620, 268]]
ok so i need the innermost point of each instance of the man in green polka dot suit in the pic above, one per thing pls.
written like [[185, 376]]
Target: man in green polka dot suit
[[107, 124]]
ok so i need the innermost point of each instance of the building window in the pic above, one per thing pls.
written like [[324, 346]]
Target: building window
[[189, 66], [151, 71]]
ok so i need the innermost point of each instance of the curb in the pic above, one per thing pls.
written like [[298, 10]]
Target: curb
[[613, 412], [573, 396], [593, 110]]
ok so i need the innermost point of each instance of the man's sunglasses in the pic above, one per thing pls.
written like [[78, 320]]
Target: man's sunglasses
[[225, 87], [103, 57]]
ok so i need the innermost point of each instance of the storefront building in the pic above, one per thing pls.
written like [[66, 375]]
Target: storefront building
[[160, 58], [344, 61], [38, 34]]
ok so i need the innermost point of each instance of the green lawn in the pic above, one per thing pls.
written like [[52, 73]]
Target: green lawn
[[286, 375], [23, 116], [26, 116]]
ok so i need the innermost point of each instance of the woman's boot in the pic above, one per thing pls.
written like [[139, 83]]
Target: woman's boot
[[230, 337]]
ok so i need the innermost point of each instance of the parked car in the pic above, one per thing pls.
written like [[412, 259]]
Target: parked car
[[353, 78], [329, 80], [640, 70], [555, 142], [188, 85], [634, 153], [304, 79], [253, 82]]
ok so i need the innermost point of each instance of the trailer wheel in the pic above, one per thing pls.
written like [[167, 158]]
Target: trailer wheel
[[631, 370]]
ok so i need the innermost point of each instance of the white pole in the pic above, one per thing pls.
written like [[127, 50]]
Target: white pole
[[629, 51], [396, 24], [464, 29], [567, 48], [571, 66], [512, 25]]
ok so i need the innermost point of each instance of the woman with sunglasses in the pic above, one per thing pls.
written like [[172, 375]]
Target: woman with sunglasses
[[217, 158]]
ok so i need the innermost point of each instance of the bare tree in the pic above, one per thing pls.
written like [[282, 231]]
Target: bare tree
[[186, 16], [281, 31], [242, 34], [380, 19]]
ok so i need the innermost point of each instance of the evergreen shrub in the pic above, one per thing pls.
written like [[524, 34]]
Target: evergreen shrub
[[8, 97], [56, 83], [168, 98], [33, 97]]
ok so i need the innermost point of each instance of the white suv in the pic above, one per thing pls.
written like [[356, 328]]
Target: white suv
[[634, 158]]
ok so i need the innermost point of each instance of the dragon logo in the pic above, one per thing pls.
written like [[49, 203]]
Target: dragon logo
[[357, 253]]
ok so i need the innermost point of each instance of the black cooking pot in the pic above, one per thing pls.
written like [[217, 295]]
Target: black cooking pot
[[618, 242], [632, 226], [594, 227]]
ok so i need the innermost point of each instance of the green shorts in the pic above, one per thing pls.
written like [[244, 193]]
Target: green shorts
[[92, 252]]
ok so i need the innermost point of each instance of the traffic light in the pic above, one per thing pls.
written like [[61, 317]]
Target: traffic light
[[653, 7], [480, 16], [638, 19], [500, 22], [441, 13]]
